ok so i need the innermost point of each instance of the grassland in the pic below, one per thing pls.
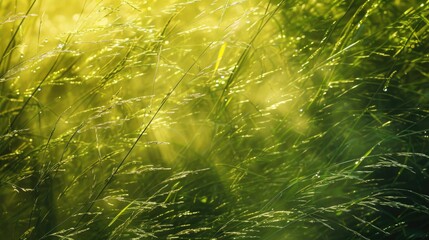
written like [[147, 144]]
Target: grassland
[[228, 119]]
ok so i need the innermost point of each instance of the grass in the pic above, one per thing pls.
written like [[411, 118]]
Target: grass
[[214, 120]]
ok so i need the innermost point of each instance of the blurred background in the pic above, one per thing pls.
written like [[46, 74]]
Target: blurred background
[[229, 119]]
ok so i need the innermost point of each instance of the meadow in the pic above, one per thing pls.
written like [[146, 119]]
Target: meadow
[[224, 119]]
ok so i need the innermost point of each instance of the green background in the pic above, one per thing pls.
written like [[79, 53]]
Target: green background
[[229, 119]]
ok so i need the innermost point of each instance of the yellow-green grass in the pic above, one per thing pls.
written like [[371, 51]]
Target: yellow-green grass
[[214, 119]]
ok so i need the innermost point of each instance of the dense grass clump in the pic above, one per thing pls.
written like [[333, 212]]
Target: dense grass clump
[[214, 119]]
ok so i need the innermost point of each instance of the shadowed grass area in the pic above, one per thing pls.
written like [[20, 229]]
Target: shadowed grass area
[[214, 120]]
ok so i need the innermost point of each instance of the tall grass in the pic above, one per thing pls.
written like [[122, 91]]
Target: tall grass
[[214, 119]]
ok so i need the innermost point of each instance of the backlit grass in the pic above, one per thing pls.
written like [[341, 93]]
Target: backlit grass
[[214, 119]]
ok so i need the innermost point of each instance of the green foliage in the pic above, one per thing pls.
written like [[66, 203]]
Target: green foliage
[[214, 119]]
